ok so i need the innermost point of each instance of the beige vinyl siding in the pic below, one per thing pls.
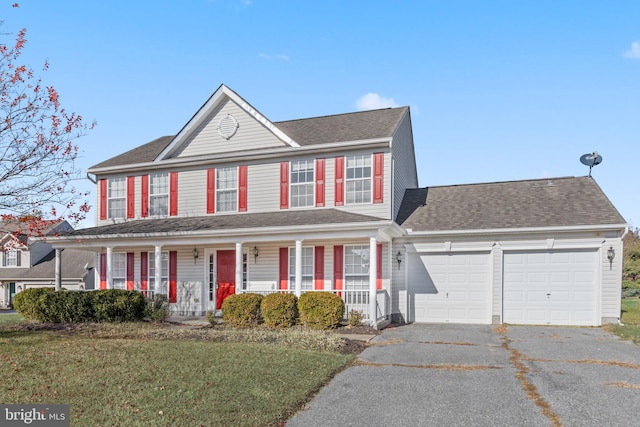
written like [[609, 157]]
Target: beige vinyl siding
[[404, 163], [250, 134], [398, 291], [611, 281], [263, 192]]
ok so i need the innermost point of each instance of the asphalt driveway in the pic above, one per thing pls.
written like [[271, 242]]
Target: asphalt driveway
[[454, 375]]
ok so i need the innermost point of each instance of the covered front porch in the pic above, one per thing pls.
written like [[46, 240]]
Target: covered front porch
[[199, 269]]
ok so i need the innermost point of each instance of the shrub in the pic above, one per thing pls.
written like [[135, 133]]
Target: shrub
[[627, 284], [30, 303], [211, 318], [242, 310], [69, 307], [158, 308], [118, 305], [279, 310], [355, 318], [320, 310], [630, 293]]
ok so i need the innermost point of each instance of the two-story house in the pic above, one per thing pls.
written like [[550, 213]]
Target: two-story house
[[28, 263], [236, 203]]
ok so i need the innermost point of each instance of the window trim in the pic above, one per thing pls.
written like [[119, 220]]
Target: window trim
[[152, 195], [311, 164], [115, 270], [110, 199], [348, 180], [218, 191], [292, 269], [364, 284]]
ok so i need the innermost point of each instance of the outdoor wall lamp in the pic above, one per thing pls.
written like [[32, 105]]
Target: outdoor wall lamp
[[399, 259], [195, 255], [256, 254], [611, 254]]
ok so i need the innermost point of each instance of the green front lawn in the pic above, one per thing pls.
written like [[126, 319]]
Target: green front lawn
[[10, 319], [140, 375], [630, 319]]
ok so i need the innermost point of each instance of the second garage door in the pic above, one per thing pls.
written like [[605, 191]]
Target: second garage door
[[550, 287], [450, 288]]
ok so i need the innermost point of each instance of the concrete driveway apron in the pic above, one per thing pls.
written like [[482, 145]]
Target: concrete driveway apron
[[468, 375]]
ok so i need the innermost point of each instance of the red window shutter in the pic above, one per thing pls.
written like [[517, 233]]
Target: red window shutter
[[103, 199], [131, 197], [284, 268], [173, 276], [284, 185], [378, 177], [379, 266], [242, 188], [145, 196], [318, 276], [339, 187], [173, 194], [338, 270], [319, 183], [144, 271], [130, 261], [211, 191], [103, 271]]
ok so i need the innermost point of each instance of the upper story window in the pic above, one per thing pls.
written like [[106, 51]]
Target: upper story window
[[302, 183], [159, 194], [358, 179], [119, 270], [307, 268], [12, 258], [117, 198], [227, 189]]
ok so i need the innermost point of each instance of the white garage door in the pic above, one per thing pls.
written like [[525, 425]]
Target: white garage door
[[450, 288], [550, 288]]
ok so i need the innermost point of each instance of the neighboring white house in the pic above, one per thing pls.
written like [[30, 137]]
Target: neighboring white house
[[31, 264], [236, 203]]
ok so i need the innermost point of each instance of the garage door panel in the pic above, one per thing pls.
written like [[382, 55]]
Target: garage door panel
[[559, 287], [461, 285]]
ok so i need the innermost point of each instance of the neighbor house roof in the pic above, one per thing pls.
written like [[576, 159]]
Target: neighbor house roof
[[357, 126], [73, 267], [225, 222], [552, 202]]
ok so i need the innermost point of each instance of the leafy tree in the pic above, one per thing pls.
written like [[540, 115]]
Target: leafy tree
[[37, 150], [631, 255]]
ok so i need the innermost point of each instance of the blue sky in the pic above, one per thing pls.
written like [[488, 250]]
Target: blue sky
[[498, 90]]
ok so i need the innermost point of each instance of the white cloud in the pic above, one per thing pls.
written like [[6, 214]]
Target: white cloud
[[269, 57], [634, 51], [373, 101]]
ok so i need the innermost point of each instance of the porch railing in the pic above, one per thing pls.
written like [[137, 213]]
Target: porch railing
[[353, 300]]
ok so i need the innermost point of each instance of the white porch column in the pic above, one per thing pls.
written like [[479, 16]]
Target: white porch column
[[157, 270], [58, 270], [373, 268], [298, 277], [238, 266], [109, 267]]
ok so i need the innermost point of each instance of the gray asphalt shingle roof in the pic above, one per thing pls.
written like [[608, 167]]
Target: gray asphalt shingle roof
[[73, 263], [226, 222], [357, 126], [553, 202]]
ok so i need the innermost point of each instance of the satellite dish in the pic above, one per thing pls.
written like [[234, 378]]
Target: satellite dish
[[591, 159]]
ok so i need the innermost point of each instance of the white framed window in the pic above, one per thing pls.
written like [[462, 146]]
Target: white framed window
[[302, 183], [159, 194], [164, 272], [119, 270], [117, 198], [244, 271], [358, 179], [12, 258], [356, 267], [227, 189], [307, 268]]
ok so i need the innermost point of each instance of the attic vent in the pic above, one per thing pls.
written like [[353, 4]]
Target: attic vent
[[227, 126]]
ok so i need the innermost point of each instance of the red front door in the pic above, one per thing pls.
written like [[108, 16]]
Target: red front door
[[226, 276]]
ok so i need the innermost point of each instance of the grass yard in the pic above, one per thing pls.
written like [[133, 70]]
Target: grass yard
[[10, 319], [142, 375], [630, 319]]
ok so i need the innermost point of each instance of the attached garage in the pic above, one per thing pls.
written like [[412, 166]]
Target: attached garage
[[452, 287], [551, 287]]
